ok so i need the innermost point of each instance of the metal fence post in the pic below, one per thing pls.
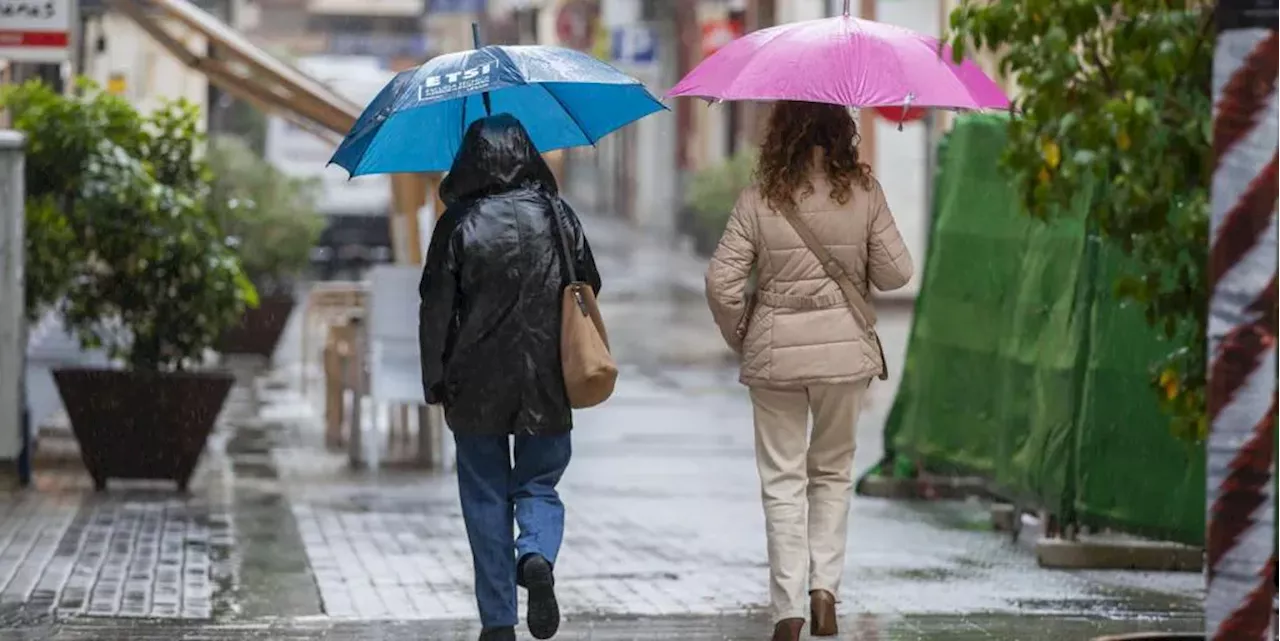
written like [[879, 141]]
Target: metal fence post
[[14, 437], [358, 382]]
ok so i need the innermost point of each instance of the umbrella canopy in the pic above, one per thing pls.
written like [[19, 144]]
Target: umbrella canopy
[[843, 61], [564, 98]]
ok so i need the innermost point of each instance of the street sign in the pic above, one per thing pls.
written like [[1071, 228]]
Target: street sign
[[36, 30], [633, 45], [574, 24]]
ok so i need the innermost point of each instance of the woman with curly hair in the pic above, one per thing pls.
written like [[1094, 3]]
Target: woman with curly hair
[[803, 347]]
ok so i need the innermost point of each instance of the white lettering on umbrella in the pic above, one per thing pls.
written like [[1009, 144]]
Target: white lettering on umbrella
[[471, 79]]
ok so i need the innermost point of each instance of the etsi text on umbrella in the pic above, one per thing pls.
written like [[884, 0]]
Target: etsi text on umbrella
[[465, 80]]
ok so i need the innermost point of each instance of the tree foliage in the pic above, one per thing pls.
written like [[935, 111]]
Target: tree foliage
[[119, 235], [1114, 97], [272, 217]]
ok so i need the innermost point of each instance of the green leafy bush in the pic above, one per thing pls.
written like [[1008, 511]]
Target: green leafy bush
[[1115, 95], [271, 216], [714, 190], [119, 235]]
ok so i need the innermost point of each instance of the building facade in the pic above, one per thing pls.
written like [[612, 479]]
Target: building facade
[[124, 60]]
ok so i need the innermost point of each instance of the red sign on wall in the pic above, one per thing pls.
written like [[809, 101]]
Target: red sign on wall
[[576, 24], [718, 33]]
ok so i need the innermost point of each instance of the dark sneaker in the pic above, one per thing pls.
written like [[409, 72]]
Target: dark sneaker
[[543, 617], [507, 633]]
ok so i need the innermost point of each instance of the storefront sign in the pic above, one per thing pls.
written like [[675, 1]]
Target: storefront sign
[[36, 30], [633, 45]]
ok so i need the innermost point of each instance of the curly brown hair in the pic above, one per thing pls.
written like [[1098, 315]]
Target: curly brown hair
[[796, 129]]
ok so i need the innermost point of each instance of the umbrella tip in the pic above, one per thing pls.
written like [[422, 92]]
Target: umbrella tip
[[846, 8]]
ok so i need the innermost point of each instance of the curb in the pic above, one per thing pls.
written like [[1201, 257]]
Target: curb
[[1155, 636], [947, 488], [1085, 554]]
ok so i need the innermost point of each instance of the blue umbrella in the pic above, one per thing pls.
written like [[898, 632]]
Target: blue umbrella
[[563, 97]]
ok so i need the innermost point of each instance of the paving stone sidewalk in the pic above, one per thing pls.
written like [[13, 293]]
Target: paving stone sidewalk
[[663, 519], [140, 550]]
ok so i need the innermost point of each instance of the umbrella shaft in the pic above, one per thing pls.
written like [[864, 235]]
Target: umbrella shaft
[[475, 38]]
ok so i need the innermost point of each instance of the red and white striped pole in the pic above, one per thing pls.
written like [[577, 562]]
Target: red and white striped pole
[[1241, 497]]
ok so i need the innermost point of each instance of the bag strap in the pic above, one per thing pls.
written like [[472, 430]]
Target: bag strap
[[566, 252], [862, 312]]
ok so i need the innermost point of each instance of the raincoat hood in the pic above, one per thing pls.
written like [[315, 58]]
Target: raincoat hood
[[497, 155]]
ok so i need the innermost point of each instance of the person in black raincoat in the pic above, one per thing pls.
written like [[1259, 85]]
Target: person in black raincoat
[[490, 337]]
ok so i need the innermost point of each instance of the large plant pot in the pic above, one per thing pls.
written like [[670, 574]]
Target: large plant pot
[[705, 241], [259, 330], [141, 425]]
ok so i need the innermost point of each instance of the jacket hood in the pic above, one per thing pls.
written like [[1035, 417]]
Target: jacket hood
[[497, 155]]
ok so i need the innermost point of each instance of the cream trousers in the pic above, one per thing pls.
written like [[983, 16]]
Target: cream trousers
[[806, 483]]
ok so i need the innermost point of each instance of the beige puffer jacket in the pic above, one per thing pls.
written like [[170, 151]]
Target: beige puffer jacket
[[802, 332]]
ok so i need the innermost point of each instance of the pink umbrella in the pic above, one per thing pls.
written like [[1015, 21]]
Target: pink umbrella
[[844, 61]]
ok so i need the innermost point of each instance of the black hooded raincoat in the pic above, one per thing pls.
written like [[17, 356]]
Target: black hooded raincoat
[[490, 314]]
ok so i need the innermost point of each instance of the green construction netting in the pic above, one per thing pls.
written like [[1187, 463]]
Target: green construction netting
[[1023, 369], [1132, 474]]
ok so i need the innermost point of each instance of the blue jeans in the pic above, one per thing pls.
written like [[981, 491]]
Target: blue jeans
[[497, 495]]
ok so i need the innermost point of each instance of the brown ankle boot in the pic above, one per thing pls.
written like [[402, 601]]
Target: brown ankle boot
[[822, 612], [788, 630]]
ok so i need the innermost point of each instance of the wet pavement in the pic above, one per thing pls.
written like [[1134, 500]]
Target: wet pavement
[[281, 540], [718, 628]]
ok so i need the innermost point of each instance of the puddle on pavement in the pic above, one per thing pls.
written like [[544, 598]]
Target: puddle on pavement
[[929, 574], [270, 575]]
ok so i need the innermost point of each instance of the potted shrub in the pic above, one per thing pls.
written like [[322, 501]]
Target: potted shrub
[[711, 196], [273, 221], [137, 266]]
